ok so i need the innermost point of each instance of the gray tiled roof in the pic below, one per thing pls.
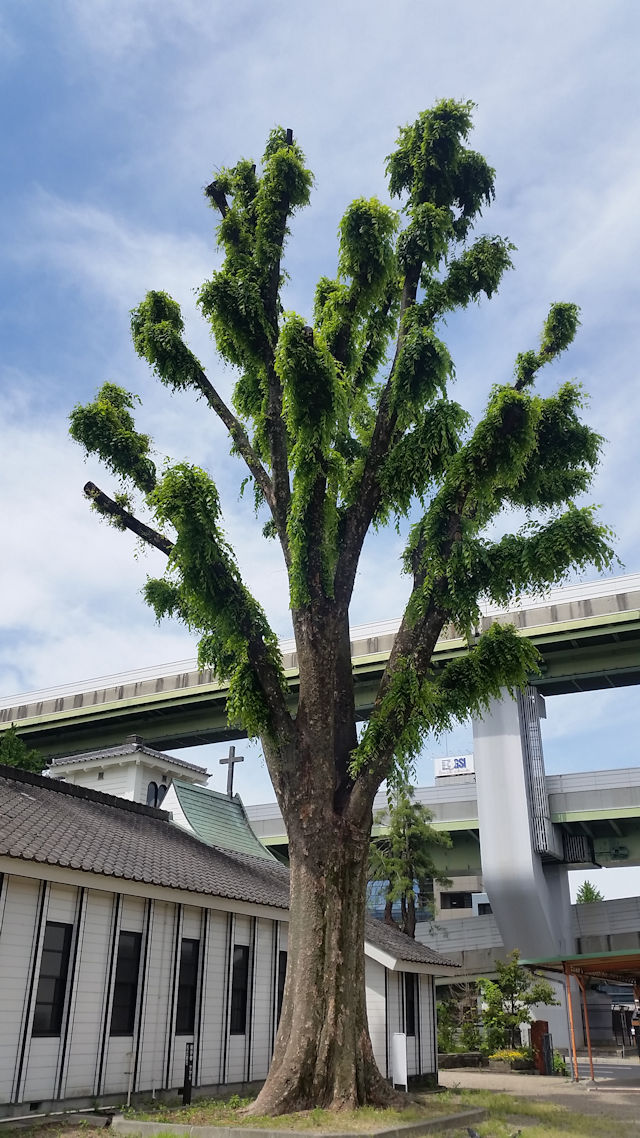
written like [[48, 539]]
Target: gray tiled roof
[[397, 944], [56, 823], [127, 748], [52, 822]]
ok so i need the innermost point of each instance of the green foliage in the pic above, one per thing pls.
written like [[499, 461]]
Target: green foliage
[[402, 857], [559, 1065], [470, 1034], [507, 1001], [366, 253], [588, 893], [413, 705], [14, 752], [558, 333], [447, 1018], [106, 428], [204, 589], [347, 423], [156, 330]]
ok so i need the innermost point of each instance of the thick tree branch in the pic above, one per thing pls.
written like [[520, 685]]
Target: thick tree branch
[[276, 431], [241, 442], [107, 506], [359, 516]]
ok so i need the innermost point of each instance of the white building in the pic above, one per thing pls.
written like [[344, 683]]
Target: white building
[[123, 937], [129, 770]]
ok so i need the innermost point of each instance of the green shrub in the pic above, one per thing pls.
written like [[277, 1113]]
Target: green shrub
[[559, 1065]]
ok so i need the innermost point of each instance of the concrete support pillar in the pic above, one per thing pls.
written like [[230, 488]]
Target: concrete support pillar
[[528, 890]]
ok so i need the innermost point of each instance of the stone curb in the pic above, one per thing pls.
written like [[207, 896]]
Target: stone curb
[[412, 1130]]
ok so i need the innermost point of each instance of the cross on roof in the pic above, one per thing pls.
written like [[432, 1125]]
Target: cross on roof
[[229, 761]]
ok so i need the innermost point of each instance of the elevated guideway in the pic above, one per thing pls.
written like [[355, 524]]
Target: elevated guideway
[[475, 942], [588, 636], [603, 805]]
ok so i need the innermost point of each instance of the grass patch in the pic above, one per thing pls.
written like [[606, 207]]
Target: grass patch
[[538, 1119], [230, 1112]]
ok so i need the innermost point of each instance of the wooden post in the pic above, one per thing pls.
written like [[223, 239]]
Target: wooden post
[[586, 1022], [567, 983]]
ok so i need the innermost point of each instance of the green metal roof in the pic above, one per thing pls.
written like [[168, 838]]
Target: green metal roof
[[219, 820]]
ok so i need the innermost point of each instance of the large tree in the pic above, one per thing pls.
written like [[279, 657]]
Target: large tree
[[344, 424], [15, 753]]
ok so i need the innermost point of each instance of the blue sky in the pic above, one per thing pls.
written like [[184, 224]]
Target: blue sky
[[116, 113]]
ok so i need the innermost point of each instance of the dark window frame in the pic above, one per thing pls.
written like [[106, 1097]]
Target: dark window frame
[[126, 983], [239, 990], [282, 976], [187, 986], [152, 794], [410, 1003], [53, 975]]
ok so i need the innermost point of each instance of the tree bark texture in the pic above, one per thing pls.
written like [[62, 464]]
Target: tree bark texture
[[323, 1055]]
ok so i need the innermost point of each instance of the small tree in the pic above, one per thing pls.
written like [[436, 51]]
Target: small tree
[[458, 1019], [15, 753], [402, 858], [507, 1001], [588, 893], [344, 424], [447, 1018]]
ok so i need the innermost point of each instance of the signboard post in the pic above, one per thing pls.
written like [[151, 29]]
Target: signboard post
[[399, 1060], [188, 1074]]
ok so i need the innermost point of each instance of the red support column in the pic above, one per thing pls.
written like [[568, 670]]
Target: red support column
[[567, 983]]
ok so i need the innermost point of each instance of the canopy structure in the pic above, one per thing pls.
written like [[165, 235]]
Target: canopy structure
[[622, 966]]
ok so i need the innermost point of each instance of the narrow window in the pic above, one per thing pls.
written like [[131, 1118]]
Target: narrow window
[[152, 794], [282, 975], [162, 790], [239, 989], [125, 988], [52, 981], [187, 987], [410, 1002]]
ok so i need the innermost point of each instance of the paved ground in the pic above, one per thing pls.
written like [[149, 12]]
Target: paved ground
[[615, 1091]]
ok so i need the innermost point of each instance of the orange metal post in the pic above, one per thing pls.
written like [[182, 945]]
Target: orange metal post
[[567, 983], [583, 990]]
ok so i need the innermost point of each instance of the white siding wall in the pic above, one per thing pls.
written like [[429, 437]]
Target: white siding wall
[[156, 1002], [88, 1002], [376, 1011], [120, 1055], [62, 906], [428, 1047], [238, 1044], [118, 780], [214, 999], [263, 1001], [44, 1055], [18, 916], [191, 918], [71, 1064], [191, 927], [41, 1069]]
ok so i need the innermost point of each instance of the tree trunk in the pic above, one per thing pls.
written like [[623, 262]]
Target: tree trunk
[[323, 1055]]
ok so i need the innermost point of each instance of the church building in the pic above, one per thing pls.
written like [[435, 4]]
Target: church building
[[126, 934]]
